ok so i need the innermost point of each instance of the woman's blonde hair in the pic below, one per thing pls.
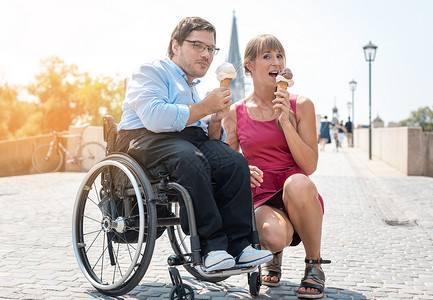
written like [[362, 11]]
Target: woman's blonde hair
[[258, 45]]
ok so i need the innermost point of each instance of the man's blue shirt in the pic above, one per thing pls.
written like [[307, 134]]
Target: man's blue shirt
[[157, 98]]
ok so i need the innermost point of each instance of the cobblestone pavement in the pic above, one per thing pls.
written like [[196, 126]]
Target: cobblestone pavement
[[378, 232]]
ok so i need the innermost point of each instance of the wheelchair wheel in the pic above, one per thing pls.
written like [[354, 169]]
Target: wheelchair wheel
[[254, 282], [114, 225], [187, 293], [180, 244]]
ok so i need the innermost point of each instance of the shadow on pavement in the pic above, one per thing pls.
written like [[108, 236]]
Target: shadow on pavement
[[207, 290]]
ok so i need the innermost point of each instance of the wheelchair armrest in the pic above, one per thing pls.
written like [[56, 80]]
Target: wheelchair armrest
[[110, 132]]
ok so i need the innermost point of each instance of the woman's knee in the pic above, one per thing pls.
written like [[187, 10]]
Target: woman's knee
[[298, 188], [274, 237], [275, 230]]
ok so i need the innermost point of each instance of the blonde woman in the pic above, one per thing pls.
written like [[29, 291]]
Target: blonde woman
[[288, 208]]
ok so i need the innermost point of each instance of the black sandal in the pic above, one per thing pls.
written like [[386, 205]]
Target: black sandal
[[312, 272], [273, 269]]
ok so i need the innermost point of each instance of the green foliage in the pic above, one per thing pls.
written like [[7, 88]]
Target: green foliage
[[64, 96], [13, 113], [423, 117], [100, 96], [8, 96]]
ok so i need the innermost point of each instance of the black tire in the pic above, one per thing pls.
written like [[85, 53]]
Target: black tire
[[89, 155], [44, 161], [189, 293], [254, 283], [96, 211]]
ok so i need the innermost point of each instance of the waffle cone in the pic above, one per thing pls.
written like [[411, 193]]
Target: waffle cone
[[282, 85], [277, 111], [225, 82]]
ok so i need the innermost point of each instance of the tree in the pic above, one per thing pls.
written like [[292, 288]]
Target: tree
[[7, 97], [56, 88], [13, 113], [423, 117], [64, 96], [98, 97], [67, 96]]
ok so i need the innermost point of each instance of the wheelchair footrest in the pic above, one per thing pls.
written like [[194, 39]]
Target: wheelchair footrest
[[227, 272]]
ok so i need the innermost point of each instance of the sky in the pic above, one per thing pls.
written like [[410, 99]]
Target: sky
[[323, 40]]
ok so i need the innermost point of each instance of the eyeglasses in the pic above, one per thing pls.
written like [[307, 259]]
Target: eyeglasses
[[200, 47]]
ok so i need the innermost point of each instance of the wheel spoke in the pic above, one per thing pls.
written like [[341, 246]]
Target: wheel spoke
[[90, 218], [117, 264]]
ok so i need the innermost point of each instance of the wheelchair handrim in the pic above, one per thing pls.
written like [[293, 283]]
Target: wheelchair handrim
[[78, 252]]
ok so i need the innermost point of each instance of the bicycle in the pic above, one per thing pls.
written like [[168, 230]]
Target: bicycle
[[49, 157]]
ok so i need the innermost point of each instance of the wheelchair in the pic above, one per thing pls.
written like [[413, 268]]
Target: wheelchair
[[120, 211]]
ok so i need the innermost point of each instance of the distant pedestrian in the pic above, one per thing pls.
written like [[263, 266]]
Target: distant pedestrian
[[324, 136], [341, 133], [349, 132]]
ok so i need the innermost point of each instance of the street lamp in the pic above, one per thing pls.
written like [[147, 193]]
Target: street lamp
[[370, 54], [349, 106], [352, 85]]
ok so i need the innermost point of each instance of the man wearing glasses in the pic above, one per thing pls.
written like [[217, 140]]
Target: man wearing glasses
[[171, 131]]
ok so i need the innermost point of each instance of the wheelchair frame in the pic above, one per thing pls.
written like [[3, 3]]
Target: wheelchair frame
[[118, 215]]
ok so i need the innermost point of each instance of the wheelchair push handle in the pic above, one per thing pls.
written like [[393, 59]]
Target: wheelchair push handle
[[110, 132]]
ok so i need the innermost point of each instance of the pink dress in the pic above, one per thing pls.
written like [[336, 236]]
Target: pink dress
[[264, 145]]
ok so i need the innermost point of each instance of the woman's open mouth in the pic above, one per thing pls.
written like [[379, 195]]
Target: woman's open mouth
[[273, 74]]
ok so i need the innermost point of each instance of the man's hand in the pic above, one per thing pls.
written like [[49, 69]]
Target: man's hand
[[218, 101], [217, 104]]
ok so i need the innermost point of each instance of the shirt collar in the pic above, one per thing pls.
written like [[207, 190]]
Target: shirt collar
[[182, 73]]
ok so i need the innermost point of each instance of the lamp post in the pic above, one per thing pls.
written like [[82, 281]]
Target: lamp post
[[349, 106], [352, 85], [370, 54]]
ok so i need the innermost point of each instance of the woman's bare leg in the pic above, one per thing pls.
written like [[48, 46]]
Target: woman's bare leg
[[300, 198], [275, 231]]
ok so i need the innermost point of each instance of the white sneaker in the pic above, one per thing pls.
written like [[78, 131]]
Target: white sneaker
[[218, 260], [252, 257]]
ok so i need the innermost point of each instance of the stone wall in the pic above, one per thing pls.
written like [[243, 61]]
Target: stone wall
[[16, 155], [407, 149]]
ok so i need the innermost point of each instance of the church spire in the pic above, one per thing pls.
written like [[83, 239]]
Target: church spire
[[237, 85]]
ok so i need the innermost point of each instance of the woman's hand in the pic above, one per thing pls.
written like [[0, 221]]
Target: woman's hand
[[256, 176], [282, 105]]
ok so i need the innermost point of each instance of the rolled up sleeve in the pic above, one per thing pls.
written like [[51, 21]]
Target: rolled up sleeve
[[148, 96]]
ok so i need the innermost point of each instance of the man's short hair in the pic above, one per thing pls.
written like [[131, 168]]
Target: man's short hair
[[185, 27]]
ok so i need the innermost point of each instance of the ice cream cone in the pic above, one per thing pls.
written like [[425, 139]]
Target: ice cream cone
[[282, 85], [225, 74], [225, 82]]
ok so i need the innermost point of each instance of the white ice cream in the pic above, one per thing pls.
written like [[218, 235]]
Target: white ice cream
[[226, 70], [290, 82]]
